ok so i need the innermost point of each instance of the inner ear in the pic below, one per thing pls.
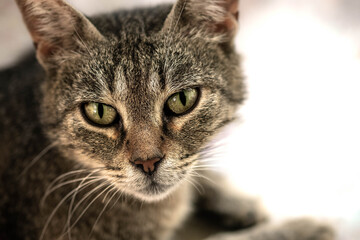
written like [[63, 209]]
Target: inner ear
[[56, 28], [212, 19], [230, 21]]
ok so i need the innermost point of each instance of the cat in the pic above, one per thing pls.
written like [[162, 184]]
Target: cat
[[105, 132]]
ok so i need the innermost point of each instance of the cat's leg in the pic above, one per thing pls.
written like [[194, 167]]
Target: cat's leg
[[226, 205], [302, 229]]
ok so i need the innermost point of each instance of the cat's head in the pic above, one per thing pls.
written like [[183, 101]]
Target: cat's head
[[133, 96]]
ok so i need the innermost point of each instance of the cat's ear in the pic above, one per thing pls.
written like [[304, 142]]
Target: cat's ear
[[56, 29], [216, 20]]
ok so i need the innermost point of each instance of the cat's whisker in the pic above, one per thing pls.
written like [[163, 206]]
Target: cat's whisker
[[204, 169], [37, 158], [120, 195], [206, 165], [217, 151], [57, 207], [88, 205], [215, 158], [210, 157], [213, 163], [51, 188], [141, 205], [68, 174], [213, 147], [213, 150], [119, 190], [195, 186], [198, 175], [106, 195], [73, 199], [212, 169], [105, 206], [75, 191], [214, 155], [88, 193], [54, 188], [210, 148], [221, 142], [198, 186], [67, 228], [207, 160]]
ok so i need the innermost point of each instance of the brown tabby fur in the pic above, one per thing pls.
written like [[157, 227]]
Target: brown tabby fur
[[65, 178]]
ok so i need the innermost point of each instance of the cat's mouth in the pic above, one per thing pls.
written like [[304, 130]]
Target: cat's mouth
[[152, 191], [144, 186], [155, 188]]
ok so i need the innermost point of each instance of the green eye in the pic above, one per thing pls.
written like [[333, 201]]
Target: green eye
[[100, 113], [179, 103]]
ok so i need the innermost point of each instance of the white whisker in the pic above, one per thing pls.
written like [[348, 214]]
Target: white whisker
[[73, 199], [206, 165], [57, 207], [103, 210], [51, 188], [195, 186], [38, 157], [198, 175], [67, 174], [49, 191], [89, 205]]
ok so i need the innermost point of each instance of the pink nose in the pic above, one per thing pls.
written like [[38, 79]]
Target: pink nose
[[149, 166]]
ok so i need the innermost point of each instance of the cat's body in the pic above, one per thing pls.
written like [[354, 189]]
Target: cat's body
[[130, 179]]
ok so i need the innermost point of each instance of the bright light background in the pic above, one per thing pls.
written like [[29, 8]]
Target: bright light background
[[298, 144]]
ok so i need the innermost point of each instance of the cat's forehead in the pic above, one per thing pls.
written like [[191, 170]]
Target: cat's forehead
[[144, 64], [143, 59]]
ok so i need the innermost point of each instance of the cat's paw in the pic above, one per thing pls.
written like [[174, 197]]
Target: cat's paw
[[309, 229], [301, 229], [236, 214], [233, 211], [244, 213]]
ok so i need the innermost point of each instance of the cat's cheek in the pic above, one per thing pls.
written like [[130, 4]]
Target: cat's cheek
[[87, 144]]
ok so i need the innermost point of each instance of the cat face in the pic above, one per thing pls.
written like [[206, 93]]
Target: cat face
[[139, 105]]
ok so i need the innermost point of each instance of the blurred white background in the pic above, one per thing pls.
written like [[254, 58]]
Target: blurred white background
[[298, 144]]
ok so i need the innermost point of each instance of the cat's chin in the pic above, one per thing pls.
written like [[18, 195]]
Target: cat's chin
[[153, 192]]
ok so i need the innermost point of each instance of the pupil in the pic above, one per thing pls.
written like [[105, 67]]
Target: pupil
[[182, 98], [101, 110]]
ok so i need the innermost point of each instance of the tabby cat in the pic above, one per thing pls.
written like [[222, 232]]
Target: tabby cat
[[105, 132]]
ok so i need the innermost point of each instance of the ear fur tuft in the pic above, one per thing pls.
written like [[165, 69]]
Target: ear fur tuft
[[56, 28], [216, 20]]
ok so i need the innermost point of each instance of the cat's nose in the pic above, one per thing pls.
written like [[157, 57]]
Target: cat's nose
[[148, 166]]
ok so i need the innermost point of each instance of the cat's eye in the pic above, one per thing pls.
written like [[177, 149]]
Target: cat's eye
[[99, 113], [182, 102]]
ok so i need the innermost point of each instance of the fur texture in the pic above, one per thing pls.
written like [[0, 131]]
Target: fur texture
[[65, 178]]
